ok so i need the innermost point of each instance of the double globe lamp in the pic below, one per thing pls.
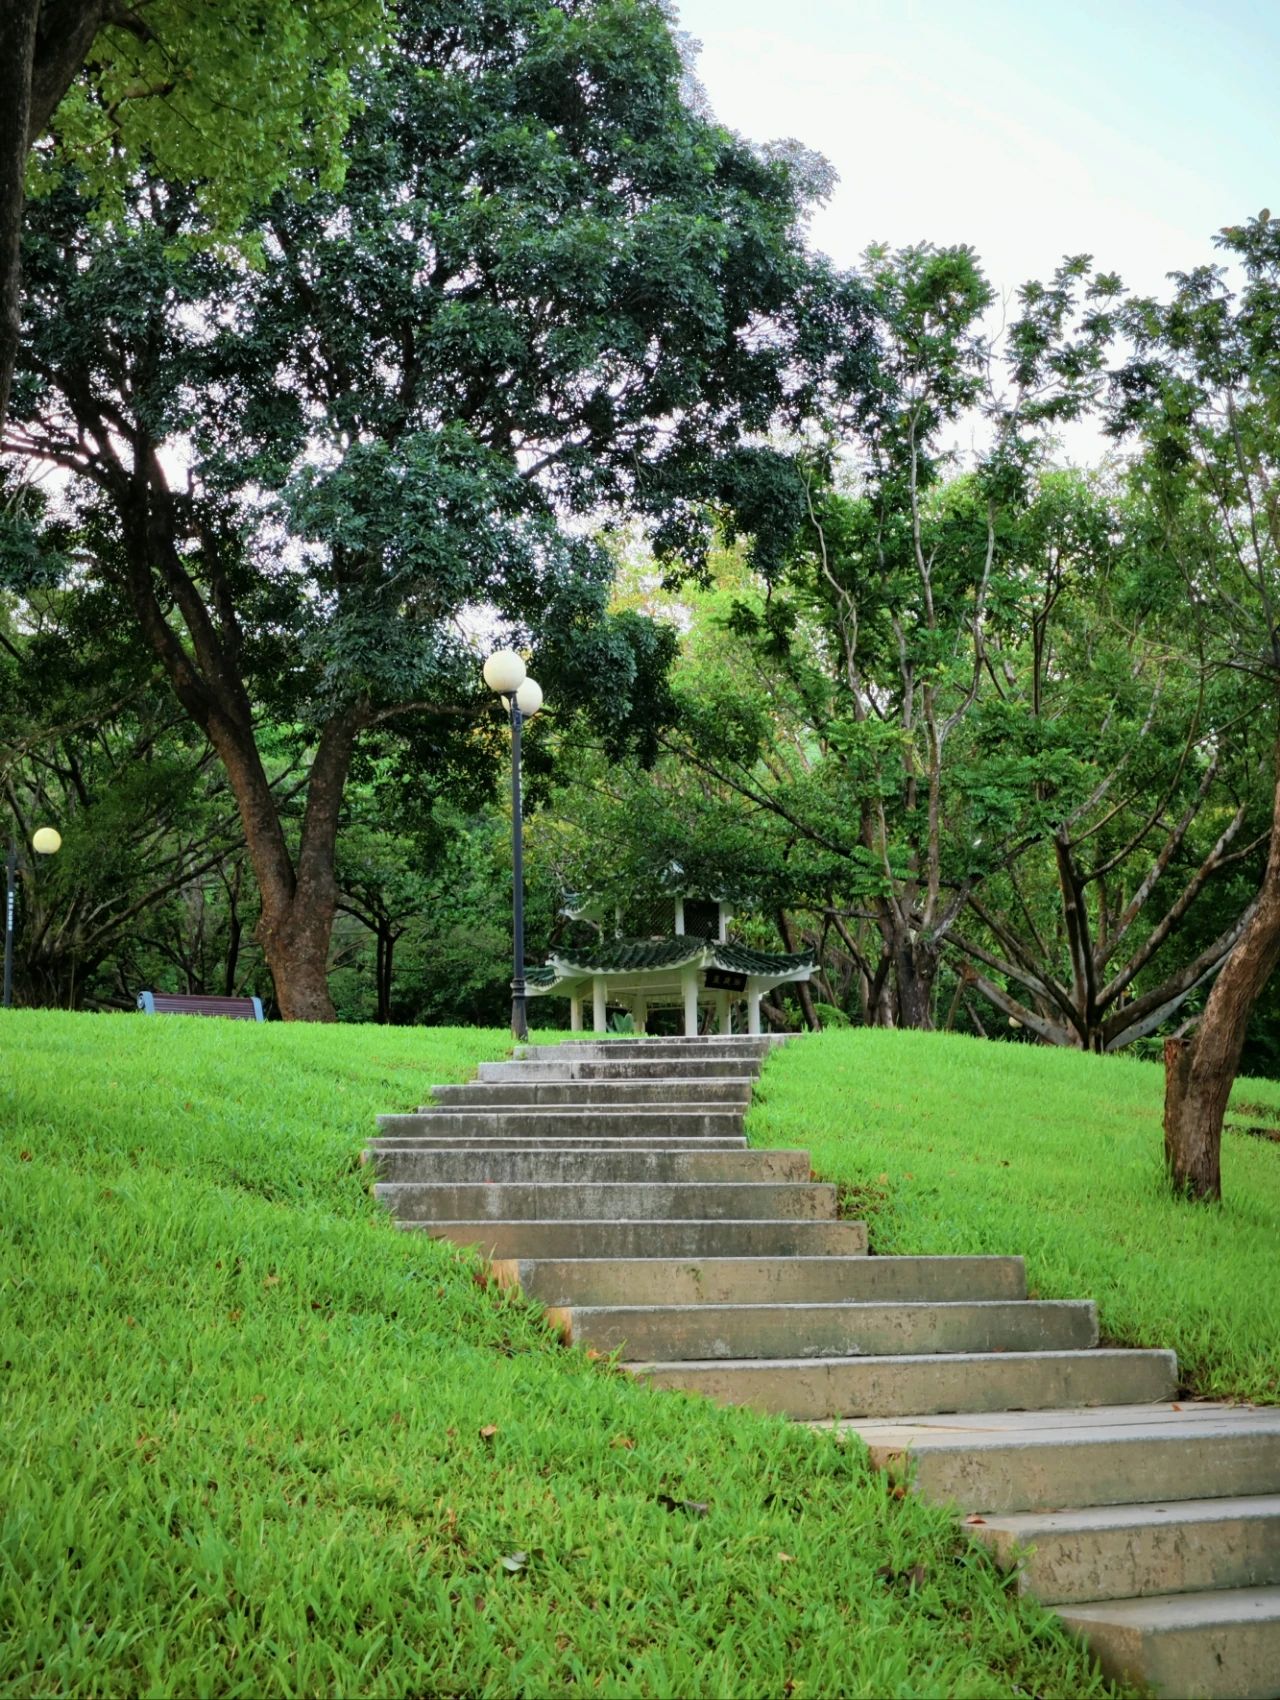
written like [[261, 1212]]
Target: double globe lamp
[[504, 673]]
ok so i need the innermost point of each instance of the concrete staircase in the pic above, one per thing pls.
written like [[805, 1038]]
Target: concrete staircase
[[611, 1181]]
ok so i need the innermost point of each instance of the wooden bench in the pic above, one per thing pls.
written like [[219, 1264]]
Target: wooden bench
[[166, 1003]]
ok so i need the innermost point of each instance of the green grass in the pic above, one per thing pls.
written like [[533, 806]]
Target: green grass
[[948, 1144], [256, 1442]]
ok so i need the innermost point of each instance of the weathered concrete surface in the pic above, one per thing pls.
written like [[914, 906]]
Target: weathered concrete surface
[[1116, 1552], [793, 1280], [580, 1094], [841, 1329], [1020, 1461], [604, 1068], [545, 1142], [499, 1163], [568, 1201], [1224, 1645], [592, 1122], [812, 1388], [653, 1239]]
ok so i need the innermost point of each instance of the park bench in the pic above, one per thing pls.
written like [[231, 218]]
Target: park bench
[[167, 1003]]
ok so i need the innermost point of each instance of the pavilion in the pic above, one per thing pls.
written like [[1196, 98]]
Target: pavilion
[[673, 967]]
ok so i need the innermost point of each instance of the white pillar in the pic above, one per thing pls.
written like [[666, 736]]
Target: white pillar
[[679, 916], [640, 1014], [753, 1010], [599, 1015], [723, 1012], [575, 1012], [689, 980]]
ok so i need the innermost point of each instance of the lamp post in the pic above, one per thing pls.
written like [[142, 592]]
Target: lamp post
[[45, 841], [505, 675]]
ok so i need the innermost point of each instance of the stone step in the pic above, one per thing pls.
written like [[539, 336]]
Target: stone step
[[1218, 1645], [673, 1333], [668, 1239], [663, 1090], [625, 1068], [1118, 1552], [577, 1124], [793, 1280], [630, 1201], [814, 1388], [1018, 1461], [501, 1163], [548, 1142]]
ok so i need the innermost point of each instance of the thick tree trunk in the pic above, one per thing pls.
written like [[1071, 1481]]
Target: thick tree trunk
[[1200, 1072], [17, 48]]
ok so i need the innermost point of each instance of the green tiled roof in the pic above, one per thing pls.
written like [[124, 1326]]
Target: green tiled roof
[[626, 956]]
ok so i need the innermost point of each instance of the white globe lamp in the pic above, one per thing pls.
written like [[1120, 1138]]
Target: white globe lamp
[[529, 697], [504, 672], [46, 841]]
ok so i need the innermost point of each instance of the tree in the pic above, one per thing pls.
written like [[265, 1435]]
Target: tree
[[232, 96], [1199, 392], [548, 288]]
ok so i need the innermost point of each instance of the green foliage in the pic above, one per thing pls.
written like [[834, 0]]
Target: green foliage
[[232, 98], [963, 1147], [258, 1442]]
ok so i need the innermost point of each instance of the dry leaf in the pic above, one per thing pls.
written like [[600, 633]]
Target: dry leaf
[[272, 1281], [488, 1431], [623, 1442], [514, 1561], [975, 1519], [786, 1558], [693, 1507]]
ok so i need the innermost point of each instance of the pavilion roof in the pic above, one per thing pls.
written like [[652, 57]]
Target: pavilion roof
[[658, 956]]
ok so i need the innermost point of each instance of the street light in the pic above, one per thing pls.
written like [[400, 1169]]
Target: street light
[[45, 841], [505, 675]]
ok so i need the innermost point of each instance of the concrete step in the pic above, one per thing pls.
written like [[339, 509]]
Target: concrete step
[[1119, 1552], [632, 1201], [793, 1280], [581, 1094], [499, 1163], [548, 1142], [1022, 1461], [1219, 1645], [616, 1068], [578, 1124], [675, 1332], [813, 1388], [658, 1238]]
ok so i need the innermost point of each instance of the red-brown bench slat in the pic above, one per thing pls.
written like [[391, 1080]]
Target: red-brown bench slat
[[174, 1003]]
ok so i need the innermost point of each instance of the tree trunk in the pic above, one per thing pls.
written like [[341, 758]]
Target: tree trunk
[[296, 946], [1200, 1072], [17, 47]]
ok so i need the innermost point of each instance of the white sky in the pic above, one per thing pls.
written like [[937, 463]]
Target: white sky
[[1129, 129]]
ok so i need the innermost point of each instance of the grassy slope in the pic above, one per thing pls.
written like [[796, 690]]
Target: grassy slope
[[256, 1442], [948, 1144]]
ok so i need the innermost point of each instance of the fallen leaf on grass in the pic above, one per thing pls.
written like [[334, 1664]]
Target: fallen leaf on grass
[[693, 1507], [623, 1442], [786, 1558], [913, 1577], [514, 1561], [488, 1431]]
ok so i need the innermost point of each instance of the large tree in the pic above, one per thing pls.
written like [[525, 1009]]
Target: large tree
[[1200, 394], [548, 288], [232, 96]]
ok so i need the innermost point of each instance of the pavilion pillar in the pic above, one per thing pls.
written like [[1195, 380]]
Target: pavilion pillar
[[753, 1010], [599, 1013], [689, 981], [724, 1013], [575, 1012], [640, 1016]]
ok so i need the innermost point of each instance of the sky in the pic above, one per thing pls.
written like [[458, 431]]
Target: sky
[[1127, 129]]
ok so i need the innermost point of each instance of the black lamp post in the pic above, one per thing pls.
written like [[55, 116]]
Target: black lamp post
[[46, 841], [504, 673]]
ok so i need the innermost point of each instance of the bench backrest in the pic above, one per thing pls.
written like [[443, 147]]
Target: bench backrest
[[167, 1003]]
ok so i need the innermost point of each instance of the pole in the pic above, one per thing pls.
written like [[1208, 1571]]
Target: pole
[[519, 1015], [10, 890]]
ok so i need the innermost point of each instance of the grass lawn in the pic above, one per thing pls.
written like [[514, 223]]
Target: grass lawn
[[257, 1442], [949, 1144]]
